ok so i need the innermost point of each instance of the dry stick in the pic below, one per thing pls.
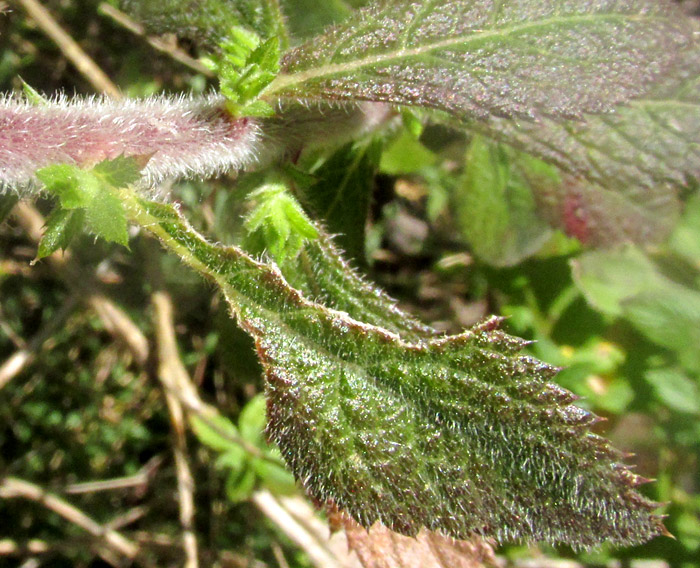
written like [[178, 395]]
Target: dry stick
[[73, 52], [140, 479], [21, 358], [317, 552], [115, 320], [174, 378], [10, 547], [11, 487], [155, 42]]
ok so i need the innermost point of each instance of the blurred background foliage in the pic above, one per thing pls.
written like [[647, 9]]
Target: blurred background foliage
[[454, 231]]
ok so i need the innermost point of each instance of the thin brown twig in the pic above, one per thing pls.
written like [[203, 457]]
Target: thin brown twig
[[155, 42], [11, 487], [70, 48], [115, 320], [279, 555], [144, 475], [174, 377], [10, 547], [23, 357], [316, 549]]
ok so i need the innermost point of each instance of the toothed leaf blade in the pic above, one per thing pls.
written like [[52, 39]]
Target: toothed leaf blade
[[461, 435], [61, 227], [477, 58], [106, 218]]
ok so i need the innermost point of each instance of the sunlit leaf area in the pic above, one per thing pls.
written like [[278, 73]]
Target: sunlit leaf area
[[350, 284]]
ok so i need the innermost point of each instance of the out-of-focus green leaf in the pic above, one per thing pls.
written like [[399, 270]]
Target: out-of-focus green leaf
[[405, 155], [685, 240], [208, 21], [608, 278], [240, 485], [675, 389], [234, 457], [310, 17], [689, 530], [671, 318], [341, 195], [494, 204], [627, 284], [252, 420], [274, 476], [216, 431]]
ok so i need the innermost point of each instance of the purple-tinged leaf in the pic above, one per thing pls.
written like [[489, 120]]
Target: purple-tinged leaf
[[652, 141], [478, 58]]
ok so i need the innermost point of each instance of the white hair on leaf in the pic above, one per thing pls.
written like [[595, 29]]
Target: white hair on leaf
[[182, 136]]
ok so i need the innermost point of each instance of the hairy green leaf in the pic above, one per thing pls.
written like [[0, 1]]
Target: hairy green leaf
[[61, 227], [457, 434], [92, 193], [652, 141], [495, 206], [627, 284], [477, 58], [209, 21], [328, 279]]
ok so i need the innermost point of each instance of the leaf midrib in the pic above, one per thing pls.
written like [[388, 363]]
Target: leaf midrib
[[285, 81]]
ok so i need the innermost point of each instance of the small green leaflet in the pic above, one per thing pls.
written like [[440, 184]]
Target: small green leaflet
[[62, 226], [477, 58], [458, 434], [245, 67], [243, 452], [277, 225], [87, 199]]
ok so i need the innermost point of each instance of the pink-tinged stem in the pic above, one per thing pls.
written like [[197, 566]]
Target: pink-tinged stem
[[180, 137]]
